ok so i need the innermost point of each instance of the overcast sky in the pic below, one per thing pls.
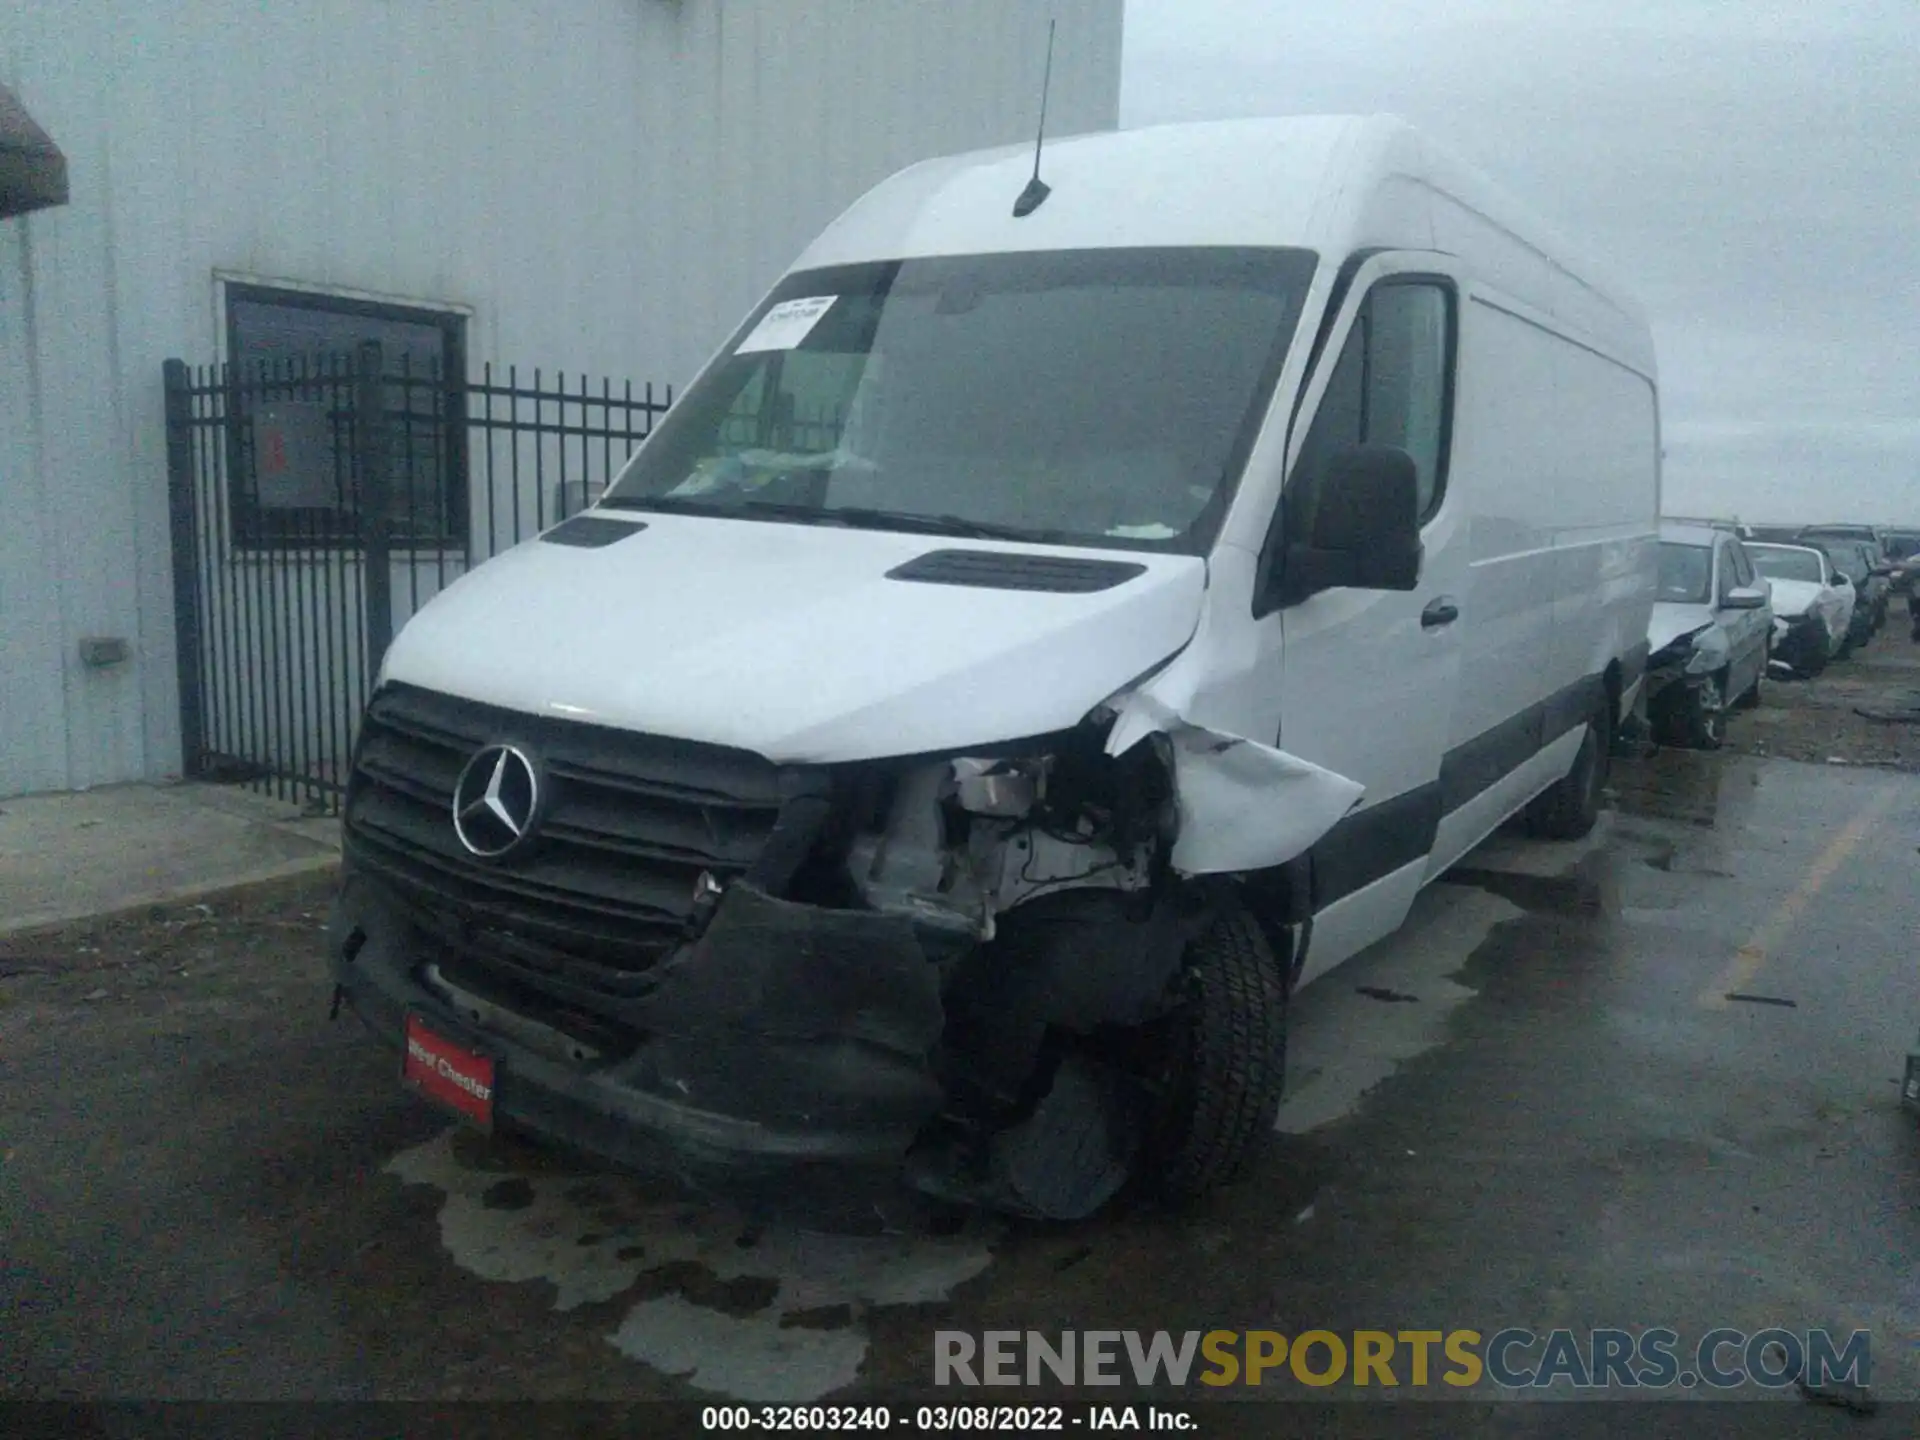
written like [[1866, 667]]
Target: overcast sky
[[1750, 168]]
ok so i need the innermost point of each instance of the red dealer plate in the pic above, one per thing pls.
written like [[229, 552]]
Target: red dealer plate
[[455, 1076]]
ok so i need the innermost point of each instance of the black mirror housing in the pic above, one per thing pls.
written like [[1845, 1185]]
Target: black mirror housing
[[1366, 527]]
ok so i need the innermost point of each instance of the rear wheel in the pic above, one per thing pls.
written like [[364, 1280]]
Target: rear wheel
[[1569, 808], [1227, 1060]]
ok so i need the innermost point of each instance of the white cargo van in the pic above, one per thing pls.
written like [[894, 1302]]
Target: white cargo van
[[1042, 638]]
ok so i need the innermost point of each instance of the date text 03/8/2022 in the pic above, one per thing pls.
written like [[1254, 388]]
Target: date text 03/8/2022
[[946, 1419]]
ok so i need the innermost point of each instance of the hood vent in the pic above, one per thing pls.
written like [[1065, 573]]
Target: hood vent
[[1003, 570], [590, 532]]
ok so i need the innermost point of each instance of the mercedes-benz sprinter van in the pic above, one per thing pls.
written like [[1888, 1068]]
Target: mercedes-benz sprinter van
[[1043, 638]]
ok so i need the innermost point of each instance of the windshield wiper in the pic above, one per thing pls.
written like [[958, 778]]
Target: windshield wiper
[[867, 517], [859, 517]]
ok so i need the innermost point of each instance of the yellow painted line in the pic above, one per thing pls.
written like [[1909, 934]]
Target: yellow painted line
[[1748, 959]]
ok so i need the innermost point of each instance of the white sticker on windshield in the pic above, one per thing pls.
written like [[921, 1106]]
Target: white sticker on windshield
[[786, 324]]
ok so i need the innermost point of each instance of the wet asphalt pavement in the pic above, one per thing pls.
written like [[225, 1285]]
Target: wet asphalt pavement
[[1536, 1106]]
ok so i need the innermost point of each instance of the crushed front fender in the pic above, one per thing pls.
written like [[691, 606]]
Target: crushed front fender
[[1242, 805]]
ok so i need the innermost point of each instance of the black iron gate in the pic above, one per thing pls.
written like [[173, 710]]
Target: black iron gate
[[316, 505]]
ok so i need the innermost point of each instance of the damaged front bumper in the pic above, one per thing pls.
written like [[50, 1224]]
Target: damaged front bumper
[[1668, 682], [786, 1049], [1802, 641]]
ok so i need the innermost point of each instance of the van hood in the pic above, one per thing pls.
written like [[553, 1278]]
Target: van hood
[[1793, 598], [791, 640], [1671, 621]]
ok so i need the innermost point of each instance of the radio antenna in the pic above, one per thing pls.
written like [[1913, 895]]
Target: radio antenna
[[1038, 189]]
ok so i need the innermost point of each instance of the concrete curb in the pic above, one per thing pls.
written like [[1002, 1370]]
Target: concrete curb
[[177, 895]]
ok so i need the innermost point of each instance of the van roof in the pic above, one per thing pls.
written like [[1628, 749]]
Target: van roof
[[1331, 184]]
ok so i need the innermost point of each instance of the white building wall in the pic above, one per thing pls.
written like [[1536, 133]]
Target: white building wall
[[608, 184]]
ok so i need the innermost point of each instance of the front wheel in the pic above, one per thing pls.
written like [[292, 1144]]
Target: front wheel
[[1702, 714], [1227, 1060], [1751, 699]]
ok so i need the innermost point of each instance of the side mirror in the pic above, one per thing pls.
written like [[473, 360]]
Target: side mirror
[[1366, 526], [1746, 597]]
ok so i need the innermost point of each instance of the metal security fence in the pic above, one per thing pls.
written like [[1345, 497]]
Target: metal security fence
[[317, 503]]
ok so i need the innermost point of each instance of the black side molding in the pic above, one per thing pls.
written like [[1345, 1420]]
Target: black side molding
[[590, 532], [1371, 843], [1004, 570]]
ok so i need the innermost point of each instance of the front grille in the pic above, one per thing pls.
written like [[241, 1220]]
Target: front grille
[[607, 885]]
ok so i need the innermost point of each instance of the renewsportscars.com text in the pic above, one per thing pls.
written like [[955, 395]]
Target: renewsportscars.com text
[[1513, 1358]]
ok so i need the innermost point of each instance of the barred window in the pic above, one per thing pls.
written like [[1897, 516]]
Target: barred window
[[292, 392]]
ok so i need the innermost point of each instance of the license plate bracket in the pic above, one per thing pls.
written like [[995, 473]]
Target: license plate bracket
[[452, 1075]]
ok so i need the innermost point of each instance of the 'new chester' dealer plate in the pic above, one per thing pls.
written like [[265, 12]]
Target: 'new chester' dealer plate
[[456, 1077]]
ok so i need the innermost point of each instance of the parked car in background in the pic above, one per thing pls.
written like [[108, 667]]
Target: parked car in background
[[1872, 541], [1709, 638], [1903, 554], [1900, 544], [1876, 588], [1852, 569], [1879, 581], [1869, 535], [1811, 608]]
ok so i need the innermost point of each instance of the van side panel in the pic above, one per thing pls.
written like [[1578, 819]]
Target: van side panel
[[1503, 457], [1606, 483], [1558, 447]]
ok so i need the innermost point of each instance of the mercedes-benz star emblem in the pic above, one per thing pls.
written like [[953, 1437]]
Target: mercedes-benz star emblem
[[495, 801]]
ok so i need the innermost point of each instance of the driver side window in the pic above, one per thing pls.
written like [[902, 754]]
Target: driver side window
[[1743, 571], [1733, 574], [1390, 386]]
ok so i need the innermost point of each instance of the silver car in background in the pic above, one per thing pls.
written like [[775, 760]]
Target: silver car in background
[[1812, 607], [1709, 638]]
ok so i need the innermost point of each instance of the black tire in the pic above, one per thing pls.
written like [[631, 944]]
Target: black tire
[[1227, 1062], [1751, 699], [1569, 808]]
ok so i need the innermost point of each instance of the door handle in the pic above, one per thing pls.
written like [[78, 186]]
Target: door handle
[[1440, 611]]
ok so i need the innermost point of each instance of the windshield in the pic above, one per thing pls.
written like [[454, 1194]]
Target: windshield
[[1784, 564], [1105, 397], [1685, 573]]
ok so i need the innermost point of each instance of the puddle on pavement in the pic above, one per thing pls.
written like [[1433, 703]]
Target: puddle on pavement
[[768, 1315], [754, 1313], [1710, 791], [1343, 1040], [1576, 894]]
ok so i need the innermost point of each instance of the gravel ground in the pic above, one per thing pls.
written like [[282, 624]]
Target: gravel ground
[[1820, 720]]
